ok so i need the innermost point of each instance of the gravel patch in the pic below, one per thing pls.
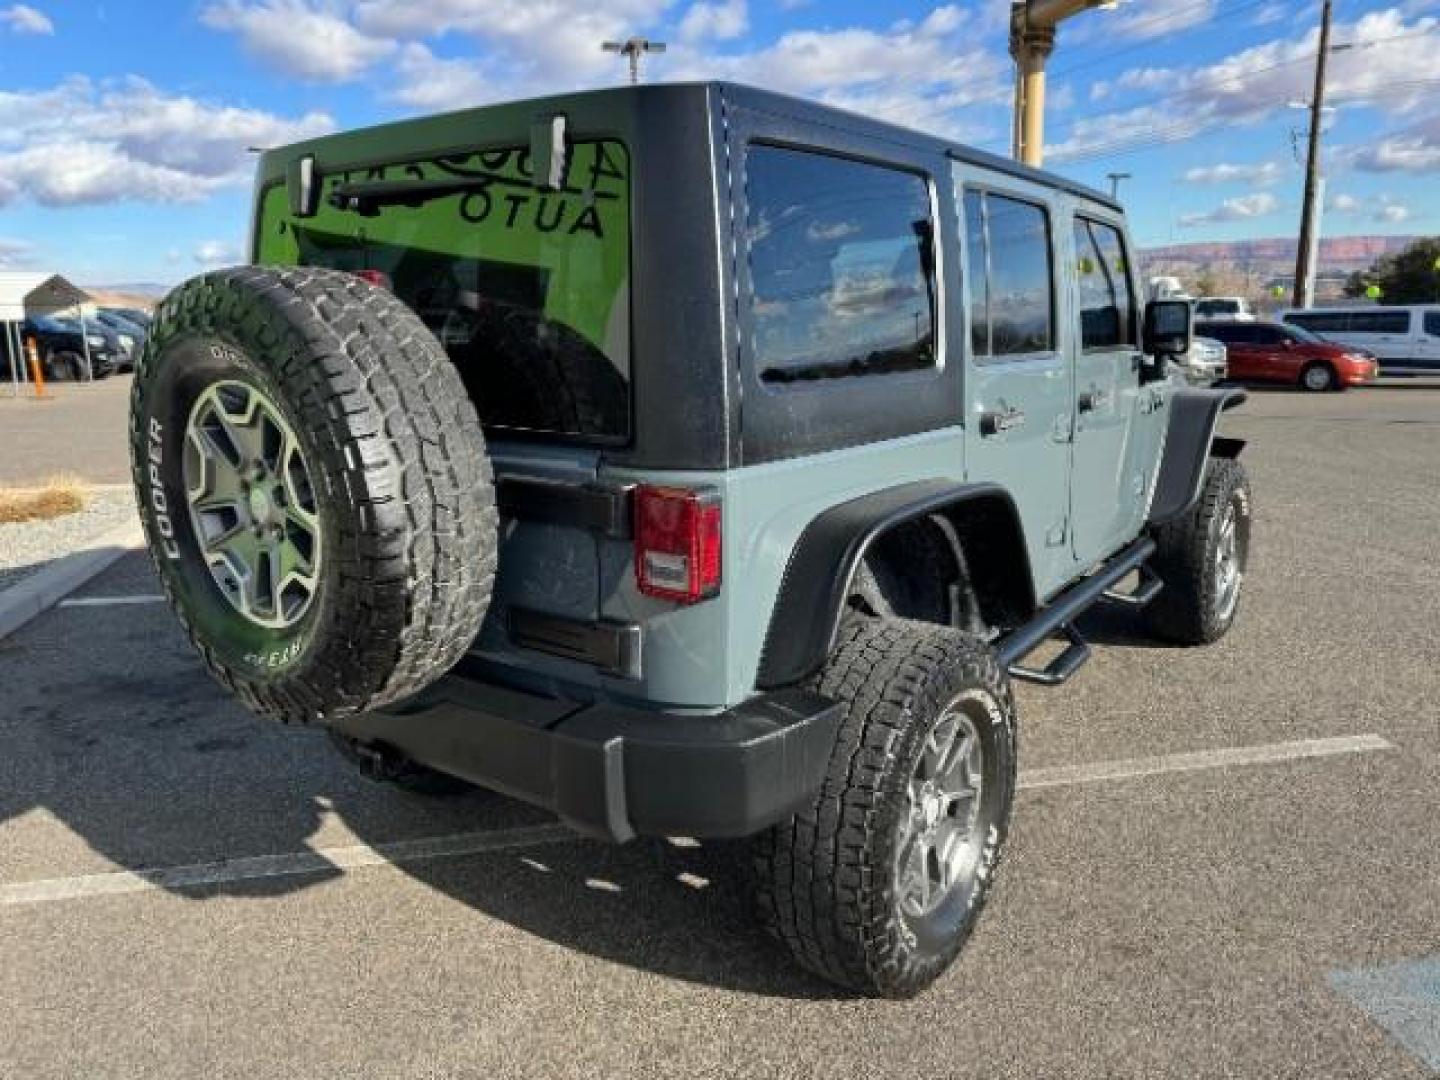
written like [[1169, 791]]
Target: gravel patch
[[31, 545]]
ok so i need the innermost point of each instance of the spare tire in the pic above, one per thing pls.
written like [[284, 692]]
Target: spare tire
[[314, 488]]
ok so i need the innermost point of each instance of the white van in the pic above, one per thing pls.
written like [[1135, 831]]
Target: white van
[[1221, 308], [1406, 339]]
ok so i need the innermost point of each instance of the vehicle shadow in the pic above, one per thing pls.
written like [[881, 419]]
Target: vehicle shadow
[[113, 729]]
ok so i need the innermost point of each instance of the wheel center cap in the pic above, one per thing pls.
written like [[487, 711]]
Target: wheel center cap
[[933, 806], [261, 505]]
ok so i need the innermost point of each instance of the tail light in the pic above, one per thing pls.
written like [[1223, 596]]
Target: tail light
[[378, 278], [677, 543]]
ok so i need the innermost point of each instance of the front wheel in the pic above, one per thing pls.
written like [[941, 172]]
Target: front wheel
[[1202, 559], [878, 883], [1318, 378]]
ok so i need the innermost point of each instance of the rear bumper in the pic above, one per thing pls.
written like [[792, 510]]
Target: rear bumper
[[617, 772]]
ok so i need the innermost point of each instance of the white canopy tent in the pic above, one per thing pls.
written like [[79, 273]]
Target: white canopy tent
[[24, 293]]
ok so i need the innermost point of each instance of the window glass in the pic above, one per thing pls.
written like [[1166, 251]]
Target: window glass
[[1380, 322], [528, 290], [1432, 323], [841, 267], [1266, 335], [977, 273], [1107, 313], [1321, 322], [1021, 288]]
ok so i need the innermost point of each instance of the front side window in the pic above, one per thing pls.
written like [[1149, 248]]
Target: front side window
[[528, 290], [842, 267], [1107, 307], [1018, 287], [1432, 323]]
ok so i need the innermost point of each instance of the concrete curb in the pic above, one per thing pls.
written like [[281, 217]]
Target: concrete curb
[[43, 589]]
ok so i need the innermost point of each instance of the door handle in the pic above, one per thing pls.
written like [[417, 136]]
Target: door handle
[[1091, 400], [993, 423]]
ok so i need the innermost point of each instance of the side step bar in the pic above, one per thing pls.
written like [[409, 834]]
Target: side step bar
[[1059, 615]]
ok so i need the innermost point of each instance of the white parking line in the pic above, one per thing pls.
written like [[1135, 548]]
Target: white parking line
[[359, 856], [1204, 759], [108, 601]]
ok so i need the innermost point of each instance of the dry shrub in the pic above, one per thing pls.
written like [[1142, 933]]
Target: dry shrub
[[59, 496]]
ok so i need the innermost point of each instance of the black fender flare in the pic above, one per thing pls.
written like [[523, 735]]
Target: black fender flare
[[1190, 440], [817, 580]]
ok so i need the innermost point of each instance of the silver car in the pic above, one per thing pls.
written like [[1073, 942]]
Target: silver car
[[1206, 363]]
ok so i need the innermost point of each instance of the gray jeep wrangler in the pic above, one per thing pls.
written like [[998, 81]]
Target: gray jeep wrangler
[[687, 460]]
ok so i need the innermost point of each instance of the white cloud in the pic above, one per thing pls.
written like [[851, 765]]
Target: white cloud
[[910, 73], [1146, 19], [15, 253], [1241, 208], [1390, 67], [1415, 149], [1341, 203], [24, 19], [216, 253], [308, 40], [1393, 213], [720, 19], [432, 84], [79, 143], [1263, 174]]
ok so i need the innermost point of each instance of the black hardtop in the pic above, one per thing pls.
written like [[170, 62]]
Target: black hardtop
[[631, 100]]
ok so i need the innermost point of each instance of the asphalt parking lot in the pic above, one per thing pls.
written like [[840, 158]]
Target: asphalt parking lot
[[186, 891]]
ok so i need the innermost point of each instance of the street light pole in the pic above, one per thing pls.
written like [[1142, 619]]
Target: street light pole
[[1307, 254], [1115, 178], [1032, 40]]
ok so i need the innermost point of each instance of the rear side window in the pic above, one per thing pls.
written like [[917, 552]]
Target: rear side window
[[1230, 333], [1107, 306], [1379, 322], [1217, 307], [1321, 322], [527, 290], [1012, 303], [842, 266], [1432, 323]]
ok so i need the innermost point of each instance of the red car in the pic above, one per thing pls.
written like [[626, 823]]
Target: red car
[[1279, 352]]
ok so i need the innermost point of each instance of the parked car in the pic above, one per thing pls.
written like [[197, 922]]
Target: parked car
[[1278, 352], [137, 316], [62, 347], [796, 620], [1205, 364], [1406, 339], [130, 335], [1217, 308]]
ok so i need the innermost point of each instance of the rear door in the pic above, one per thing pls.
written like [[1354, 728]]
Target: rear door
[[1110, 469], [1427, 345], [1020, 382]]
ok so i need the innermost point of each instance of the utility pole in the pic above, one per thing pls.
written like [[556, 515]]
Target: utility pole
[[634, 48], [1307, 254], [1115, 178], [1032, 40]]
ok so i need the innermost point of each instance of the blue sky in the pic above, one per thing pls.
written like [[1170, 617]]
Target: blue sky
[[124, 125]]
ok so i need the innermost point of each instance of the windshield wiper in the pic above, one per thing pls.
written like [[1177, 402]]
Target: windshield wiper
[[367, 199]]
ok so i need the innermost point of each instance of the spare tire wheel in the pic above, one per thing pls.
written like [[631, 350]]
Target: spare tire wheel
[[314, 489]]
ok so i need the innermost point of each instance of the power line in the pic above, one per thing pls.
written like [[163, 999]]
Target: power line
[[1176, 16]]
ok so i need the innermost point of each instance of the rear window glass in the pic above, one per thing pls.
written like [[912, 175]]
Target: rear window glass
[[1218, 307], [842, 267], [1014, 299], [527, 290], [1228, 332]]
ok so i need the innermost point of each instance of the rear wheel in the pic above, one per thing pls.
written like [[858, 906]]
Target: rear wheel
[[315, 489], [878, 883]]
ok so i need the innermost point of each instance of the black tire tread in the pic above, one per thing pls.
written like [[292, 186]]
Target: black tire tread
[[399, 442], [814, 891], [1184, 612]]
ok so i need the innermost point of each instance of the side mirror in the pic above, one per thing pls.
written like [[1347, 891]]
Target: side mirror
[[1169, 328]]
